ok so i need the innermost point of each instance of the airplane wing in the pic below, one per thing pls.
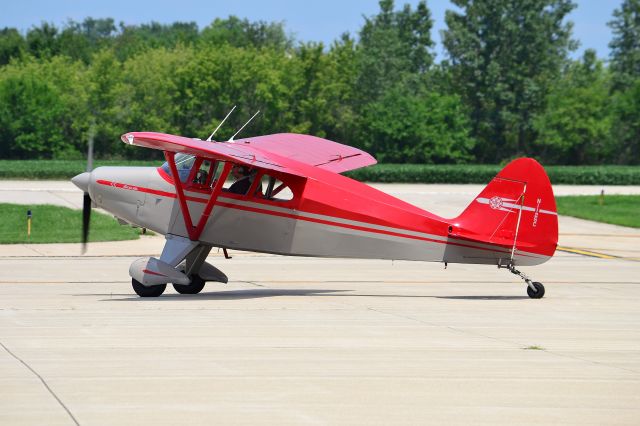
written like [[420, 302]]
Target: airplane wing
[[279, 152], [222, 151], [311, 150]]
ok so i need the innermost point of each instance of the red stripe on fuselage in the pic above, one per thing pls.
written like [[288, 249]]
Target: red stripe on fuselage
[[503, 250], [361, 228], [147, 190]]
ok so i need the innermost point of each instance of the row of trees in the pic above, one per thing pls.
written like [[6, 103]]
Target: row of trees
[[506, 88]]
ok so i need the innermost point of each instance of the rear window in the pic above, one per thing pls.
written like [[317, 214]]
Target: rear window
[[271, 188]]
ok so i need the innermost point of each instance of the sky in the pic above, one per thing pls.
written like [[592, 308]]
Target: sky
[[308, 21]]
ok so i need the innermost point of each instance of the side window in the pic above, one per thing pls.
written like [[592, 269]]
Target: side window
[[240, 179], [184, 165], [271, 188], [202, 176], [218, 166]]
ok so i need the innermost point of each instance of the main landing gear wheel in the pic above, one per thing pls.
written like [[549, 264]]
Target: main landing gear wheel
[[144, 291], [538, 293], [195, 287]]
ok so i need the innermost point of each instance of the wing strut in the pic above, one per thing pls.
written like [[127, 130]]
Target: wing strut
[[195, 231]]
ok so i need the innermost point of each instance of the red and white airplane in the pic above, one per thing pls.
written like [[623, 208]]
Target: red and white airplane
[[289, 198]]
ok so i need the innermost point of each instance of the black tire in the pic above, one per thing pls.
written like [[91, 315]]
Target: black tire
[[195, 287], [144, 291], [538, 293]]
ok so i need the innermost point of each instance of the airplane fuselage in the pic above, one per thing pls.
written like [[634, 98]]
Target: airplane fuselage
[[338, 217]]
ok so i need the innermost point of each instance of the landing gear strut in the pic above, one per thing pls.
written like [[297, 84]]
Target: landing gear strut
[[535, 290]]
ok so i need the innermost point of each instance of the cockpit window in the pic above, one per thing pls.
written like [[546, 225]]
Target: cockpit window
[[184, 163], [274, 189], [240, 179], [203, 175]]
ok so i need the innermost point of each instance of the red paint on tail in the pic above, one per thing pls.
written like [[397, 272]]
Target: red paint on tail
[[517, 205]]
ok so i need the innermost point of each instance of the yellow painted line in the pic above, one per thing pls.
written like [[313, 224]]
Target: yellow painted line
[[587, 253]]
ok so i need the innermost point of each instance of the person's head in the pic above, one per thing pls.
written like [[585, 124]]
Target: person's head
[[239, 171]]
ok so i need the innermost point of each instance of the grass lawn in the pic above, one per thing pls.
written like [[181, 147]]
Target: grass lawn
[[54, 224], [617, 209]]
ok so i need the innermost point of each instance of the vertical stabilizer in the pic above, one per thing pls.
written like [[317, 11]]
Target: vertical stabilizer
[[516, 211]]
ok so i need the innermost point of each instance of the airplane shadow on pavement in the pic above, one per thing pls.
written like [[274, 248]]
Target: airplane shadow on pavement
[[275, 292]]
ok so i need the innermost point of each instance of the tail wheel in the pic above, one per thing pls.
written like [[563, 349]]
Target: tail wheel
[[144, 291], [195, 287], [538, 293]]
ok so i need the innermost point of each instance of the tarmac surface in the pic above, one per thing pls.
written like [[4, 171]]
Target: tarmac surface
[[293, 340]]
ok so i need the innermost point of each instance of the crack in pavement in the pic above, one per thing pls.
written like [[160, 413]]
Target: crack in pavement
[[43, 382]]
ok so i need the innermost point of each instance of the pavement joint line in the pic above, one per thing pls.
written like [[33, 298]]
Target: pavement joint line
[[75, 421], [454, 329], [589, 361], [510, 342], [30, 247], [68, 204], [251, 283]]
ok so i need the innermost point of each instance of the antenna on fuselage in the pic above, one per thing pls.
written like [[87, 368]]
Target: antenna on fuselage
[[221, 123], [245, 125]]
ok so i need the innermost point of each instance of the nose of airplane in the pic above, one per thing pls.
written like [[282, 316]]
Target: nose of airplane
[[82, 181]]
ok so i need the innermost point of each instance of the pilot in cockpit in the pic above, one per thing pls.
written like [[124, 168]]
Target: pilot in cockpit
[[243, 177]]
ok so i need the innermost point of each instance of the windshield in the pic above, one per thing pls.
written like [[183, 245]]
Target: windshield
[[184, 163]]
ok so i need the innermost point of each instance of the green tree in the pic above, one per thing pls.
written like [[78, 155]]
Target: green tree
[[12, 45], [340, 82], [625, 44], [323, 95], [218, 77], [145, 97], [626, 124], [244, 33], [41, 105], [105, 120], [42, 41], [81, 40], [504, 56], [424, 127], [135, 39], [625, 66], [394, 45], [575, 127], [396, 114]]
